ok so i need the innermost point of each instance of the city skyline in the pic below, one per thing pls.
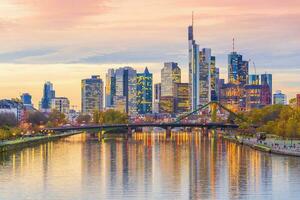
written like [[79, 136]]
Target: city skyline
[[37, 59]]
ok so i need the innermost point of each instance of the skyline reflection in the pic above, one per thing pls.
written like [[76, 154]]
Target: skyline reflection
[[146, 166]]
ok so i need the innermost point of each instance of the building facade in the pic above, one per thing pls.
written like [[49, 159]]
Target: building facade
[[110, 88], [48, 95], [238, 69], [91, 94], [182, 100], [254, 79], [126, 86], [157, 95], [144, 92], [13, 107], [279, 98], [61, 104], [170, 75]]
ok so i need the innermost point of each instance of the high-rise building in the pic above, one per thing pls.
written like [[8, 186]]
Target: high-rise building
[[253, 79], [144, 92], [26, 99], [266, 79], [110, 88], [167, 105], [194, 69], [157, 95], [61, 104], [205, 76], [126, 89], [91, 94], [279, 98], [182, 101], [237, 69], [253, 94], [170, 74], [214, 79], [48, 95]]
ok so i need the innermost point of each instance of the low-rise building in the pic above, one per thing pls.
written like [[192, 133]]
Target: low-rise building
[[279, 98], [12, 106]]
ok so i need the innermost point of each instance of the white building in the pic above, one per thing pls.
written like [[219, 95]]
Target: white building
[[61, 104]]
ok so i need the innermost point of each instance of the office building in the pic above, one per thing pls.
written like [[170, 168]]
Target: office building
[[91, 94], [157, 95], [238, 69], [61, 104], [48, 95], [266, 79], [13, 107], [126, 86], [254, 79], [110, 88], [279, 98], [205, 77], [170, 74], [144, 92], [182, 101]]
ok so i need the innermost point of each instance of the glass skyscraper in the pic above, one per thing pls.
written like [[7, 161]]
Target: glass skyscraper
[[48, 95], [194, 71], [266, 79], [126, 79], [238, 69], [205, 76], [91, 95], [144, 92], [170, 74], [254, 79], [110, 88]]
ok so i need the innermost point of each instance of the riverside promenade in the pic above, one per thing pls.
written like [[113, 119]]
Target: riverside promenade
[[270, 145], [19, 143]]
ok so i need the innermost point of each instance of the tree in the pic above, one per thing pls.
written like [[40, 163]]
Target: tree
[[83, 118], [37, 118], [56, 118], [8, 119]]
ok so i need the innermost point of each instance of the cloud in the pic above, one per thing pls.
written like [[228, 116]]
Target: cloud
[[17, 56]]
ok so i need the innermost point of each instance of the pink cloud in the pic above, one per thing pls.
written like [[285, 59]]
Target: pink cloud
[[61, 12]]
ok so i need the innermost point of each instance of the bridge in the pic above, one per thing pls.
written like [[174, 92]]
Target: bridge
[[178, 123], [167, 126]]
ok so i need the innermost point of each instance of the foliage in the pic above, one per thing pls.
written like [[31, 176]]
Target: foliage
[[8, 119], [281, 120], [37, 118], [110, 117], [83, 118], [56, 118]]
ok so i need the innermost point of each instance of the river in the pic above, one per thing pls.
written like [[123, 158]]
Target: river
[[146, 166]]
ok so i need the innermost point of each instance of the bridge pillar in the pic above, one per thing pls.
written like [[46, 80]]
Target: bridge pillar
[[168, 132], [129, 131]]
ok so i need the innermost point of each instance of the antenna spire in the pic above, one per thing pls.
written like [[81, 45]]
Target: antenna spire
[[233, 45], [192, 18]]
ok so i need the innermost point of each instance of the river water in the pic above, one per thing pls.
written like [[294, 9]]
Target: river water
[[146, 166]]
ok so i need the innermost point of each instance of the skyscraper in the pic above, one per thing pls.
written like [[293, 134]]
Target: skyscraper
[[253, 79], [182, 102], [110, 88], [170, 74], [266, 79], [214, 79], [126, 89], [194, 71], [238, 69], [157, 95], [205, 76], [91, 94], [48, 95], [144, 92]]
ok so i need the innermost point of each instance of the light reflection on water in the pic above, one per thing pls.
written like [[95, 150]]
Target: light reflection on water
[[147, 166]]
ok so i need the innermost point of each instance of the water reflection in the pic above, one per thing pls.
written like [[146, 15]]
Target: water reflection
[[147, 166]]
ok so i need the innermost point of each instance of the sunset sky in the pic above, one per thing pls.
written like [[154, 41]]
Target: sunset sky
[[64, 41]]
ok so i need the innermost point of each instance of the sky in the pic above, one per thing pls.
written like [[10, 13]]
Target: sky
[[64, 41]]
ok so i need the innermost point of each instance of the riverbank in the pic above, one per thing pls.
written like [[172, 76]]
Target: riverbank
[[11, 145], [278, 147]]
